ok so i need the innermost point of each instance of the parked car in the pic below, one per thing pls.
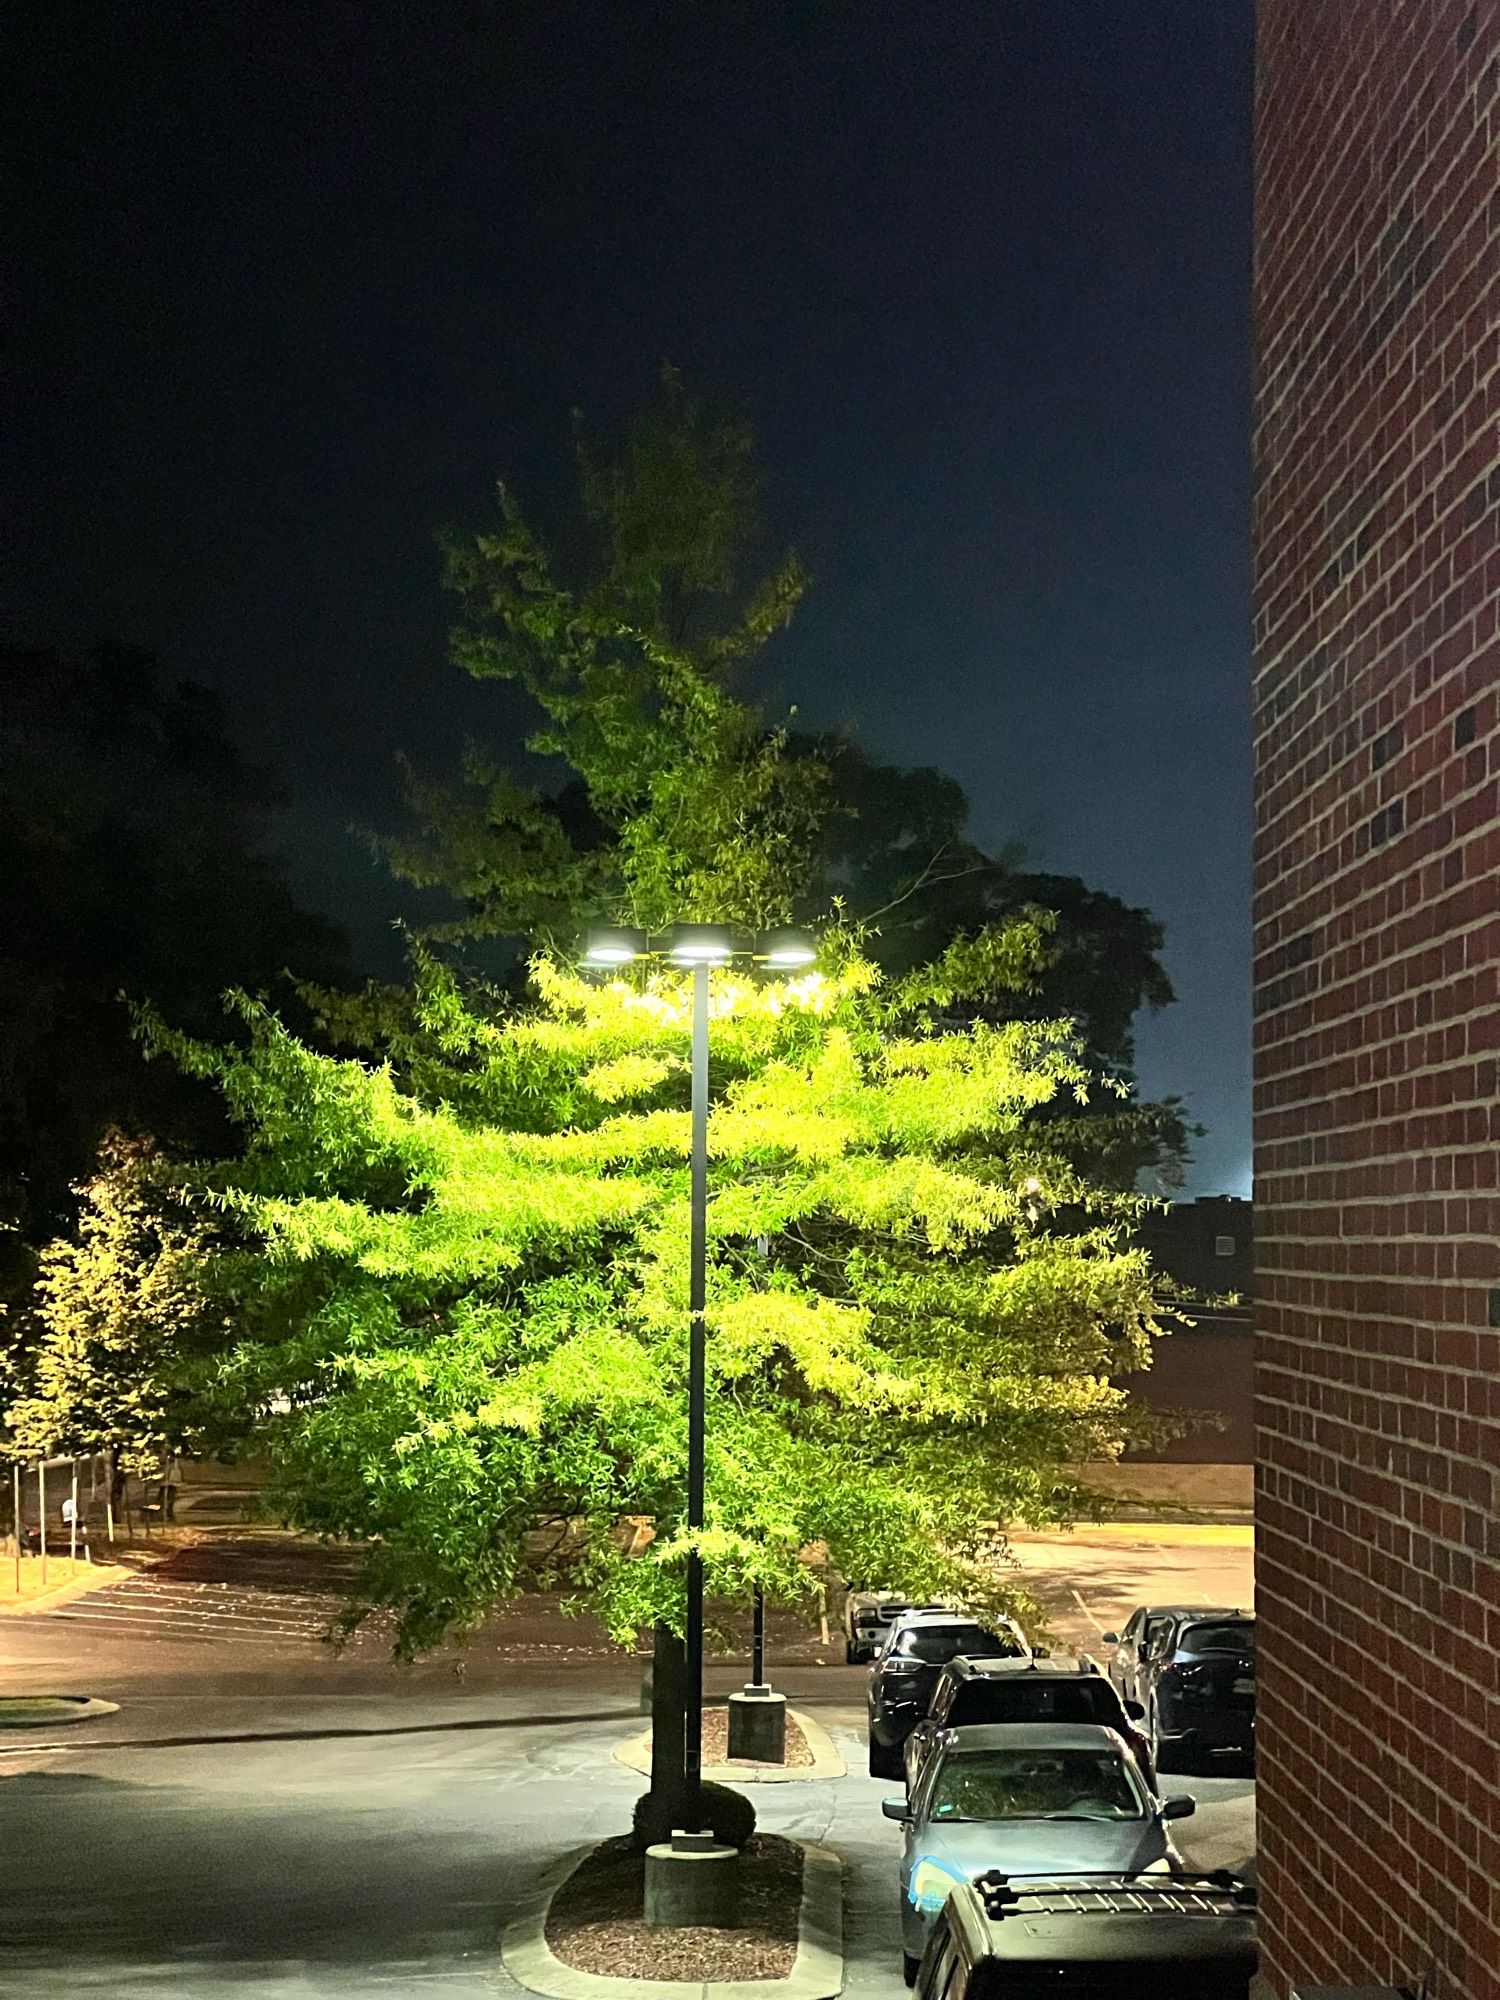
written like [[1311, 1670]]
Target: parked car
[[905, 1674], [1093, 1938], [971, 1692], [1132, 1647], [1027, 1798], [1198, 1687], [868, 1615]]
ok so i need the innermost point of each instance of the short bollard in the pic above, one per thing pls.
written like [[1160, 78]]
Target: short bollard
[[691, 1880], [757, 1725]]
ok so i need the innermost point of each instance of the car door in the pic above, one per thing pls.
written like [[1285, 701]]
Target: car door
[[922, 1738], [1125, 1658], [1158, 1645]]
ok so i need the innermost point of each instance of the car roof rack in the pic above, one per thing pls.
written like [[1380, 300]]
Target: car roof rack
[[1218, 1892]]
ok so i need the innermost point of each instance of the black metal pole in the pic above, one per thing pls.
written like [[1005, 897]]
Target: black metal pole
[[758, 1641], [697, 1342]]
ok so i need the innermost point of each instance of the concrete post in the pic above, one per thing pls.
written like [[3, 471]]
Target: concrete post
[[691, 1880], [757, 1725]]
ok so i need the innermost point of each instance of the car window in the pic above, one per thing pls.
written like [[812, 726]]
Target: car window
[[1034, 1784], [935, 1645], [940, 1980], [1239, 1638], [1133, 1630], [1090, 1699], [943, 1699]]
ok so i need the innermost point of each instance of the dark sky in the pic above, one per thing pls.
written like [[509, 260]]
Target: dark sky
[[288, 285]]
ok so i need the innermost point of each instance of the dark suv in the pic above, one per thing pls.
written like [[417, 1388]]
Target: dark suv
[[1198, 1687], [904, 1678], [1028, 1690], [1093, 1937]]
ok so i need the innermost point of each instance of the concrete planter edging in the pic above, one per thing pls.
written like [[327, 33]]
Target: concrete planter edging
[[81, 1708], [817, 1972], [635, 1754]]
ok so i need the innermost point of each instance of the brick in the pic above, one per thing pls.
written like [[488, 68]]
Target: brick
[[1376, 883]]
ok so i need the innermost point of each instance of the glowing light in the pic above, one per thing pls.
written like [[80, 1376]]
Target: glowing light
[[701, 944], [787, 950], [613, 947]]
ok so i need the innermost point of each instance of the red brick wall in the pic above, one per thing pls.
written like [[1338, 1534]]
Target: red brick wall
[[1377, 941]]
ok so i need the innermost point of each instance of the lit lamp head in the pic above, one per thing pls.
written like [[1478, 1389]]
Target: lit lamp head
[[617, 946], [701, 944], [786, 951]]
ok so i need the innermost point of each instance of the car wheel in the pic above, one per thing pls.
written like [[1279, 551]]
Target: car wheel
[[851, 1653], [909, 1968]]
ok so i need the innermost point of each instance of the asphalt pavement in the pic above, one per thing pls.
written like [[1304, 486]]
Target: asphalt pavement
[[266, 1822]]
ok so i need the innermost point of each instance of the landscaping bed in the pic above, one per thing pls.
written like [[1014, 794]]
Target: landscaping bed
[[595, 1922]]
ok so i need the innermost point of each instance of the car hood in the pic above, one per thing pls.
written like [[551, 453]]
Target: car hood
[[966, 1848]]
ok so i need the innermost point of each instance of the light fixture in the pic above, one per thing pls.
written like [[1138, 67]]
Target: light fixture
[[616, 946], [785, 950], [701, 944]]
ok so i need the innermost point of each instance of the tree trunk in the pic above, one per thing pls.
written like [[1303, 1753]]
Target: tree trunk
[[668, 1694]]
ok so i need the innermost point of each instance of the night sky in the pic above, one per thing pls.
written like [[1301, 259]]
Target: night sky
[[288, 286]]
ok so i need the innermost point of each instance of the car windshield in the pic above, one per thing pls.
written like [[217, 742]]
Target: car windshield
[[1218, 1639], [1035, 1784], [935, 1645], [1027, 1700]]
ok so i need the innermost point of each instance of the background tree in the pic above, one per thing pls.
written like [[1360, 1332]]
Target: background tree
[[132, 859], [118, 1324]]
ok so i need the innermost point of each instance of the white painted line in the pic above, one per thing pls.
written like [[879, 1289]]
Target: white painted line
[[1087, 1613]]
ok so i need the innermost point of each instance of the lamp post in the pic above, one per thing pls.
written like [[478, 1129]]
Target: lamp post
[[699, 948]]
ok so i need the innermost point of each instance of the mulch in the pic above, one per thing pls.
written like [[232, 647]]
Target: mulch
[[716, 1740], [595, 1923]]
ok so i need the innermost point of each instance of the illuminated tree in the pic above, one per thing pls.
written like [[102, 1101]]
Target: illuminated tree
[[117, 1326], [471, 1274]]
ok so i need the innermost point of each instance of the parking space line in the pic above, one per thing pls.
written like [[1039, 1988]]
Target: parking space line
[[1077, 1599]]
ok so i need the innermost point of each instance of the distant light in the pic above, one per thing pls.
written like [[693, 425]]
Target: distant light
[[618, 946], [702, 944], [1033, 1186], [788, 949]]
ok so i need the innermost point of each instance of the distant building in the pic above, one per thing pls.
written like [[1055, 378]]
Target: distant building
[[1207, 1246]]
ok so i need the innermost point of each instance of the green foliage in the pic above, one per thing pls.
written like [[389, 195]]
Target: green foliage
[[472, 1284], [682, 804], [459, 1264], [119, 1323]]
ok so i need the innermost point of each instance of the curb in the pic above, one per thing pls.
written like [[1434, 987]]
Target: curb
[[635, 1754], [82, 1708], [101, 1577], [817, 1972]]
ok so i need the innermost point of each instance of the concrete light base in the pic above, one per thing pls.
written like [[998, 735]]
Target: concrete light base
[[691, 1880], [757, 1726]]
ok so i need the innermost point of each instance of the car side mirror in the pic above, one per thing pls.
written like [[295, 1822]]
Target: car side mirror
[[897, 1809], [1109, 1639], [1178, 1808], [1136, 1710]]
